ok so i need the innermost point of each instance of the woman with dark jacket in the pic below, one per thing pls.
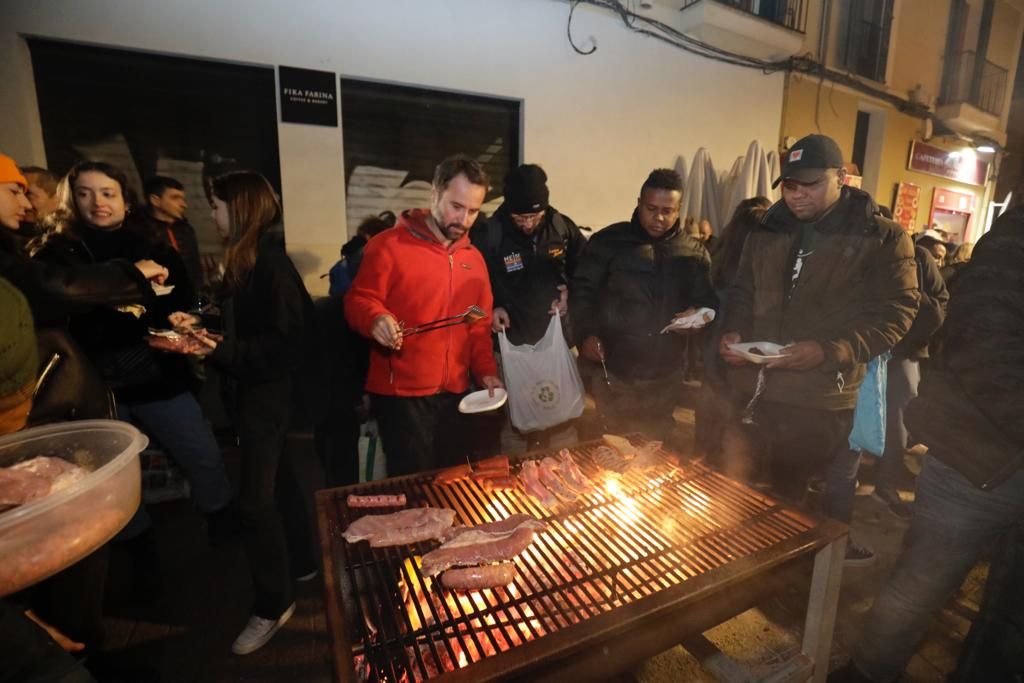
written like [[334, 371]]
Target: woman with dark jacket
[[267, 339], [151, 388], [63, 290]]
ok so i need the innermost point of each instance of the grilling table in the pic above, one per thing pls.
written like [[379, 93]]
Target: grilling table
[[649, 560]]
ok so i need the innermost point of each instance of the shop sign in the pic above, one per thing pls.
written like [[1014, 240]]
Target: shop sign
[[951, 200], [964, 167], [308, 96]]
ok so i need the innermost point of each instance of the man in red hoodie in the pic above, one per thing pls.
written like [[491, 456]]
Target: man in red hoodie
[[421, 270]]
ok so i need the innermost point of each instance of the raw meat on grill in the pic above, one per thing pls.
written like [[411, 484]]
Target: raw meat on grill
[[453, 474], [402, 527], [461, 552], [610, 459], [570, 471], [530, 476], [621, 444], [475, 578], [499, 483], [379, 501], [497, 463], [498, 529], [548, 472], [647, 456]]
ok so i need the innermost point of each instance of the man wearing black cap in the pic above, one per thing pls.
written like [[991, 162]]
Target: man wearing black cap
[[634, 278], [531, 252], [835, 283]]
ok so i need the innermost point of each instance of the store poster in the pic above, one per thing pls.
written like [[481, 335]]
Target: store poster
[[905, 205]]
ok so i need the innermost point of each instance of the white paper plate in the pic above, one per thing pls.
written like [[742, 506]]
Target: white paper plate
[[480, 402], [162, 290], [769, 351], [702, 317]]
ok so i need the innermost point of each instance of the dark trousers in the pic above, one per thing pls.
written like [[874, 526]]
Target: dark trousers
[[900, 389], [791, 442], [276, 530], [421, 433], [336, 439], [72, 599]]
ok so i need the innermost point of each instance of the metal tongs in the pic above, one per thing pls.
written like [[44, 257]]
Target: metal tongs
[[471, 314]]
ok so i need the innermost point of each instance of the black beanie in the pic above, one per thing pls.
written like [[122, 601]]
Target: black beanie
[[526, 189]]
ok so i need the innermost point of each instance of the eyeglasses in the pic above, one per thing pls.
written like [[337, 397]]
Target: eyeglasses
[[527, 218]]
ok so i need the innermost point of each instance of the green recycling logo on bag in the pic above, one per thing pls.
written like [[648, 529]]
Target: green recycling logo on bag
[[545, 394]]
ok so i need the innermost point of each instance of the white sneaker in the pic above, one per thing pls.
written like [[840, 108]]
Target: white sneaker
[[259, 631]]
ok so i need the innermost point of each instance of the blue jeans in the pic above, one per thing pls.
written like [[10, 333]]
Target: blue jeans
[[953, 523], [177, 425], [901, 388]]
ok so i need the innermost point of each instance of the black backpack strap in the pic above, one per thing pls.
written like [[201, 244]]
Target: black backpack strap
[[493, 234]]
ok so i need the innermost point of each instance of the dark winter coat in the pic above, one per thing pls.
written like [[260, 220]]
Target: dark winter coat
[[180, 236], [54, 291], [525, 270], [856, 296], [113, 339], [968, 411], [628, 286], [930, 313]]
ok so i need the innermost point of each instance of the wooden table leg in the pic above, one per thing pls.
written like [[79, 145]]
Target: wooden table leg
[[822, 605]]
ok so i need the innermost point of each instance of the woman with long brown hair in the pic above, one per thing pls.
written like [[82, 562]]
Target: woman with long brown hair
[[267, 338]]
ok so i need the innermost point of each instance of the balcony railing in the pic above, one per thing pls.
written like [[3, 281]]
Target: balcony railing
[[976, 81], [789, 13]]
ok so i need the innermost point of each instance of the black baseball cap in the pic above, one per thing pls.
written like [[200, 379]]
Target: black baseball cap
[[809, 158]]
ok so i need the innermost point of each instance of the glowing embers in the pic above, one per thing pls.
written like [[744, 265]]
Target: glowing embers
[[450, 630]]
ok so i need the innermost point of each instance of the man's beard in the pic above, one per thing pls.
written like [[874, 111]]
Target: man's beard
[[451, 231]]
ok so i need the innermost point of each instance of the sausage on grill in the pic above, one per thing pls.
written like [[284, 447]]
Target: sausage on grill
[[484, 576]]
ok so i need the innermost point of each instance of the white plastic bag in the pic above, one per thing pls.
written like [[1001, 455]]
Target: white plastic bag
[[543, 384]]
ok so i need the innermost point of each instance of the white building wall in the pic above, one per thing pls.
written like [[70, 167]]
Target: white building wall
[[598, 123]]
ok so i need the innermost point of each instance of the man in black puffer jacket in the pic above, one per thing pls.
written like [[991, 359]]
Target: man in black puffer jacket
[[633, 279], [971, 488]]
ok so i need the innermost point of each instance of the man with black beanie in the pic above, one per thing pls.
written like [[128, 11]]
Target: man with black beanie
[[531, 252]]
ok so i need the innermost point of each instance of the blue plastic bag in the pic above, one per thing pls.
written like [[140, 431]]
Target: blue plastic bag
[[868, 432]]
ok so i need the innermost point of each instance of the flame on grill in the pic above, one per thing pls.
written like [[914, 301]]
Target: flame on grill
[[496, 629]]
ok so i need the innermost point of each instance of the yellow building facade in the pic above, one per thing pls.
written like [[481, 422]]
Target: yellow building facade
[[903, 74]]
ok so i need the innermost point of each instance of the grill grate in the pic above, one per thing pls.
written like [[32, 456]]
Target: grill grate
[[636, 536]]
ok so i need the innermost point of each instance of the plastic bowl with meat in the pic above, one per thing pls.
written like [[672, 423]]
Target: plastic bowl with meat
[[44, 529]]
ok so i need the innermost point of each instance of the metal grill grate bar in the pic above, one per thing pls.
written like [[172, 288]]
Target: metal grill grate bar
[[621, 544]]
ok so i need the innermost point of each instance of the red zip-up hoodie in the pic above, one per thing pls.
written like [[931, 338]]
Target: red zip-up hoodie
[[406, 272]]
